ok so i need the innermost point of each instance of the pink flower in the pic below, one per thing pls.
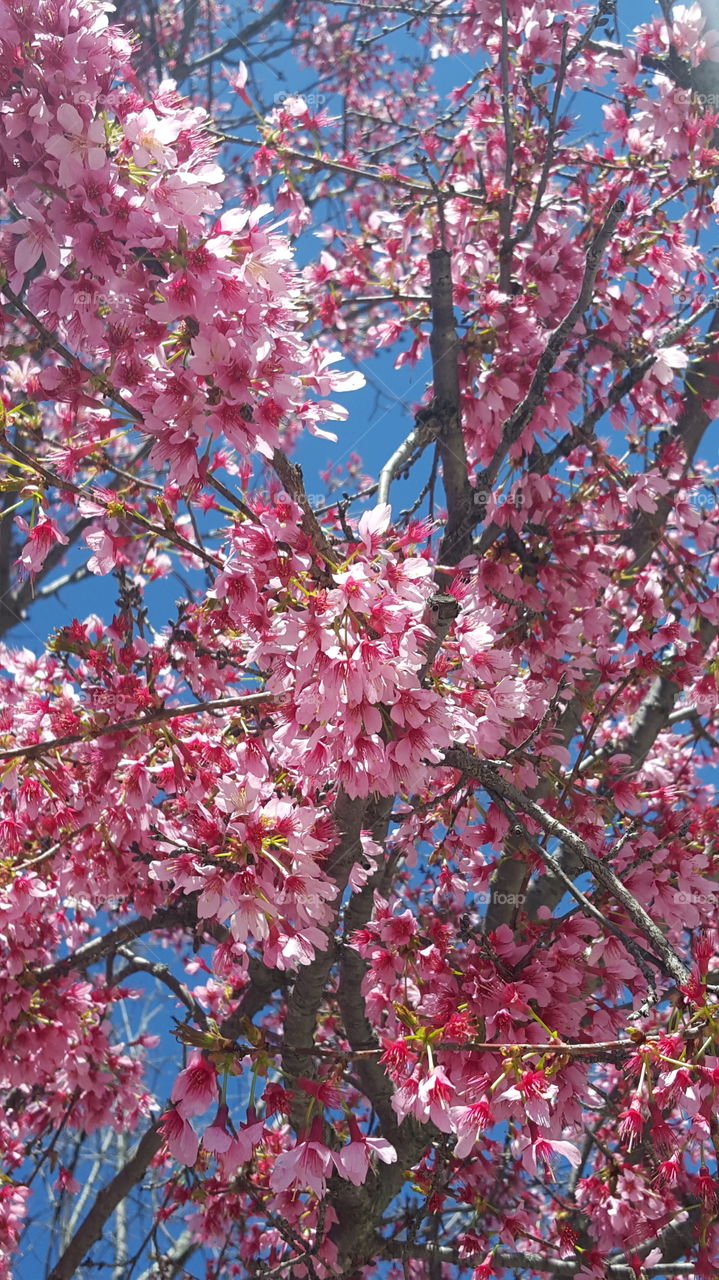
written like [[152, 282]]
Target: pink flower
[[706, 1187], [668, 1172], [536, 1150], [645, 491], [66, 1182], [195, 1089], [216, 1138], [372, 525], [353, 1160], [469, 1122], [78, 146], [41, 538], [150, 137], [36, 240], [306, 1166], [182, 1141], [536, 1092], [102, 545], [631, 1122], [237, 81], [669, 360], [425, 1098], [241, 1148], [435, 1092]]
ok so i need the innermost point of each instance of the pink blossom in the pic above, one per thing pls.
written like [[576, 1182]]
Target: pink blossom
[[42, 537], [646, 489], [168, 358], [66, 1182], [537, 1152], [238, 80], [668, 362], [632, 1122], [104, 551], [36, 240], [353, 1160], [150, 137], [372, 525], [469, 1123], [241, 1147], [195, 1089], [216, 1137], [182, 1141], [306, 1166], [81, 144]]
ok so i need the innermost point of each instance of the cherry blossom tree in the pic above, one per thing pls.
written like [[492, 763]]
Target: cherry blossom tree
[[359, 914]]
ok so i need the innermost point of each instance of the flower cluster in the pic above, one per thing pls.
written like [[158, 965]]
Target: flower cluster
[[184, 326]]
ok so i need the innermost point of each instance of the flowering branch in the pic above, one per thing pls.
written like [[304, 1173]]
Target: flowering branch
[[527, 1261], [488, 775], [524, 411], [34, 749]]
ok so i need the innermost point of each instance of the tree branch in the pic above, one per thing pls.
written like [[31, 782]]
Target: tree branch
[[460, 758], [444, 347], [524, 411], [32, 750], [180, 916], [525, 1261], [106, 1201], [275, 13], [305, 999]]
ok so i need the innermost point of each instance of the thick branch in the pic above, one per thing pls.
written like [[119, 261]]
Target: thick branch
[[444, 347], [360, 1208], [358, 1029], [306, 997], [427, 427], [106, 1202]]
